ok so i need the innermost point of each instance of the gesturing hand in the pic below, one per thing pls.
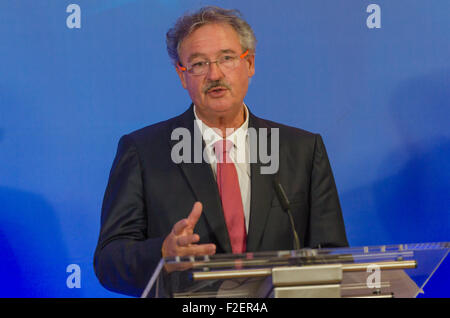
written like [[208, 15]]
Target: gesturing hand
[[182, 240]]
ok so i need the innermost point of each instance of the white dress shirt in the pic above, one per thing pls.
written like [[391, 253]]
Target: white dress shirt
[[239, 153]]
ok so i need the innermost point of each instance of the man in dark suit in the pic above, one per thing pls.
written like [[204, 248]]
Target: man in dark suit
[[157, 205]]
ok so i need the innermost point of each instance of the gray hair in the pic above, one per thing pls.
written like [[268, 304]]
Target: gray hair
[[190, 22]]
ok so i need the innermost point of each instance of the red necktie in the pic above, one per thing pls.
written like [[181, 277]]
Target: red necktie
[[230, 194]]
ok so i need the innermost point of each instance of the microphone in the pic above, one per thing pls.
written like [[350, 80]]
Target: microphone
[[284, 201]]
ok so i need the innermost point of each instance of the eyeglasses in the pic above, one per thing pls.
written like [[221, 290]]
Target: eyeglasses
[[225, 62]]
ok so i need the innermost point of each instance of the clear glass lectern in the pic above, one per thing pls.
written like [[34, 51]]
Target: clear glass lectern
[[373, 271]]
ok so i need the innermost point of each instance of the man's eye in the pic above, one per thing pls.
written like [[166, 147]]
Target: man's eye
[[199, 64], [228, 58]]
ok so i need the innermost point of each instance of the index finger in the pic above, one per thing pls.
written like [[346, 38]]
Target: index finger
[[195, 214], [189, 222]]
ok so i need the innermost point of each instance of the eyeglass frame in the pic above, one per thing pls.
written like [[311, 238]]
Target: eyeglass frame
[[208, 63]]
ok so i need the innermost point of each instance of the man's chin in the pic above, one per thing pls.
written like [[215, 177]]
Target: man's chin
[[218, 105], [220, 109], [214, 110]]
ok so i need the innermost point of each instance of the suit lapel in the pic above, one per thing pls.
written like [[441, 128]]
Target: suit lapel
[[261, 191], [202, 182]]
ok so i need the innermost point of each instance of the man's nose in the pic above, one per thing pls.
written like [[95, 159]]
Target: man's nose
[[214, 72]]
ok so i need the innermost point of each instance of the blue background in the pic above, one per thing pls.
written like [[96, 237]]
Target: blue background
[[379, 97]]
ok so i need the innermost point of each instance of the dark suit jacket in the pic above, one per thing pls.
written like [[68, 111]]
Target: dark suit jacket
[[148, 193]]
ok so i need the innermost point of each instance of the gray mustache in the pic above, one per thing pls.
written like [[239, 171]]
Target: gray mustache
[[216, 84]]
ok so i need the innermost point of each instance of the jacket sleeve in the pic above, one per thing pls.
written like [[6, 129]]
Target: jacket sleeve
[[125, 257], [326, 226]]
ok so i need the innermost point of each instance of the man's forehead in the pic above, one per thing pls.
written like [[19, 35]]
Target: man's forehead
[[211, 40]]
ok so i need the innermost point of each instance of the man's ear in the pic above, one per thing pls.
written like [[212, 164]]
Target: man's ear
[[251, 65], [181, 75]]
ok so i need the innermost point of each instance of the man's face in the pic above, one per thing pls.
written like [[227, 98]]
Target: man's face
[[209, 43]]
